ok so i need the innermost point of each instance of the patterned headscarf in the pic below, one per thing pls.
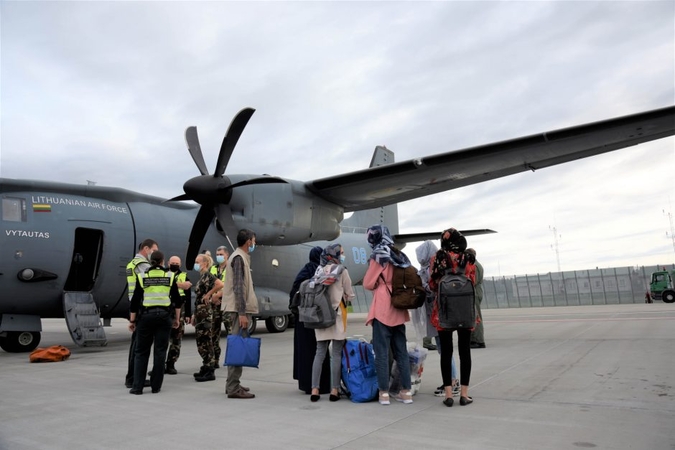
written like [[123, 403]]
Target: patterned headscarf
[[382, 244], [453, 241], [453, 254], [331, 254]]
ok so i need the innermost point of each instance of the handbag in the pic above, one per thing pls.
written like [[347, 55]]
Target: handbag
[[242, 351]]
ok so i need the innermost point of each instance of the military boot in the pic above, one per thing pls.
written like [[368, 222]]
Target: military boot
[[209, 375], [170, 369], [202, 371]]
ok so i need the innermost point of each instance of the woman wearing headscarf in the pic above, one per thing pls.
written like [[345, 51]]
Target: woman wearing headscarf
[[333, 273], [304, 339], [388, 322], [452, 257], [425, 253]]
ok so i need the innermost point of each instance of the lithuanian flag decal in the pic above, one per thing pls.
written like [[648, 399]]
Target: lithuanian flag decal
[[42, 207]]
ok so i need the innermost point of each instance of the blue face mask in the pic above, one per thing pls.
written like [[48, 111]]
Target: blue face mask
[[220, 259], [342, 259], [197, 267], [251, 248]]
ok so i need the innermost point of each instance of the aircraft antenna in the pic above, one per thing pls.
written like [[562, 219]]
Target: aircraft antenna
[[554, 246]]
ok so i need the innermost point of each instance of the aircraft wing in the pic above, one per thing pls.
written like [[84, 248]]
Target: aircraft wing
[[406, 180], [435, 235]]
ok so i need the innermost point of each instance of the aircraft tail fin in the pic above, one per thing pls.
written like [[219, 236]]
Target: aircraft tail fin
[[385, 215]]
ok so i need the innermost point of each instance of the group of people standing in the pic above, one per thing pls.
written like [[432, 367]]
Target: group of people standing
[[160, 306], [310, 364]]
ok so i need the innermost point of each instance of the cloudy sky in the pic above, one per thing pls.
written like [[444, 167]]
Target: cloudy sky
[[103, 91]]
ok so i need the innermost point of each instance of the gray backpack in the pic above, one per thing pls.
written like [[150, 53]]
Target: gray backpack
[[315, 309], [456, 307]]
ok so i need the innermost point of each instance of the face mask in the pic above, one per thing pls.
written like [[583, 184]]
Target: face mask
[[251, 248], [342, 259], [197, 267], [149, 255], [220, 259], [174, 267]]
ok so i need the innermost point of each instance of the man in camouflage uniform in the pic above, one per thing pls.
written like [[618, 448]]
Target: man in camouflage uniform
[[176, 338]]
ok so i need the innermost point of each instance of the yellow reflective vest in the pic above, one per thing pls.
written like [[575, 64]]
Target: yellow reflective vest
[[214, 271], [131, 274], [156, 284]]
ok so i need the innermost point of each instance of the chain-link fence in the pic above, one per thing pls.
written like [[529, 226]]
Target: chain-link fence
[[617, 285]]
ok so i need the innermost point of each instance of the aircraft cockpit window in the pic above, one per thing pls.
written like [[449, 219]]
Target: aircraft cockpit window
[[14, 209]]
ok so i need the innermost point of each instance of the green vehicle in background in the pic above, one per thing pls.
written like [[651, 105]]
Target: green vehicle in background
[[661, 286]]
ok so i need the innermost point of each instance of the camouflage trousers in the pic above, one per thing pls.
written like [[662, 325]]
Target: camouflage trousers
[[204, 333], [175, 340]]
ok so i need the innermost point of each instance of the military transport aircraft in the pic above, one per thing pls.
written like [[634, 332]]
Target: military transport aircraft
[[64, 247]]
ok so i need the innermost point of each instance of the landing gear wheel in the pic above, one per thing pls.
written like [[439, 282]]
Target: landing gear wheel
[[277, 324], [668, 296], [20, 341]]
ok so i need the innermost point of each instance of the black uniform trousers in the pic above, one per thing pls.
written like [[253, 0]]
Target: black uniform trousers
[[153, 326]]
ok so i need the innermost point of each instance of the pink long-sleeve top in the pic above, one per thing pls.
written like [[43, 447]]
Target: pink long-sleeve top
[[381, 308]]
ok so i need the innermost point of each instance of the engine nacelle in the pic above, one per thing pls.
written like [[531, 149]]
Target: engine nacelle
[[284, 214]]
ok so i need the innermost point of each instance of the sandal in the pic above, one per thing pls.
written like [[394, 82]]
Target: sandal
[[384, 398]]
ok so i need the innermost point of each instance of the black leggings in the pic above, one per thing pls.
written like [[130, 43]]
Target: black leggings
[[464, 348]]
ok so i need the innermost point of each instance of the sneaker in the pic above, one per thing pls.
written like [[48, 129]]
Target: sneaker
[[384, 398], [456, 389], [440, 391], [404, 397]]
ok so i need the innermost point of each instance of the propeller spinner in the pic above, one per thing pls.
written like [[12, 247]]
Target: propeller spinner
[[213, 192]]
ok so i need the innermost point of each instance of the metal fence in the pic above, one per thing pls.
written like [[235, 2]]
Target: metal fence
[[618, 285]]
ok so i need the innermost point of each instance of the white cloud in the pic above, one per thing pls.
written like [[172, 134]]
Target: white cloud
[[105, 90]]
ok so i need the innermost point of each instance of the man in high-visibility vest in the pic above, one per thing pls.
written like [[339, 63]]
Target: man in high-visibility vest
[[154, 310], [136, 266], [176, 337], [219, 270]]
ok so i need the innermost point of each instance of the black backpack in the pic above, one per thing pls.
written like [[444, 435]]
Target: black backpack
[[456, 306]]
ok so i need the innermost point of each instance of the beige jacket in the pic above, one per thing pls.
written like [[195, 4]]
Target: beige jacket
[[229, 304], [342, 288]]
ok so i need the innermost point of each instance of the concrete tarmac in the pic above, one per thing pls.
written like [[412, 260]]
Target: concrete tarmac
[[550, 378]]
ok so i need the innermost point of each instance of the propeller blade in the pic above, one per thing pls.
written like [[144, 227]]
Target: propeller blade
[[227, 223], [195, 149], [178, 198], [199, 229], [231, 138], [258, 180]]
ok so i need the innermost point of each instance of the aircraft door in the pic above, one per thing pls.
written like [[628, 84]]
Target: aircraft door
[[86, 260], [80, 310]]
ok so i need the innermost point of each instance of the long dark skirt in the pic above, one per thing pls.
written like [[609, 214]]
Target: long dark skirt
[[304, 349]]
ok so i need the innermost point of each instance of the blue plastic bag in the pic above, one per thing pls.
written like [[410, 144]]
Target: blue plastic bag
[[242, 351]]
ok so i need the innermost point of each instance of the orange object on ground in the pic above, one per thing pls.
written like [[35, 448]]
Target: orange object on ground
[[50, 354]]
